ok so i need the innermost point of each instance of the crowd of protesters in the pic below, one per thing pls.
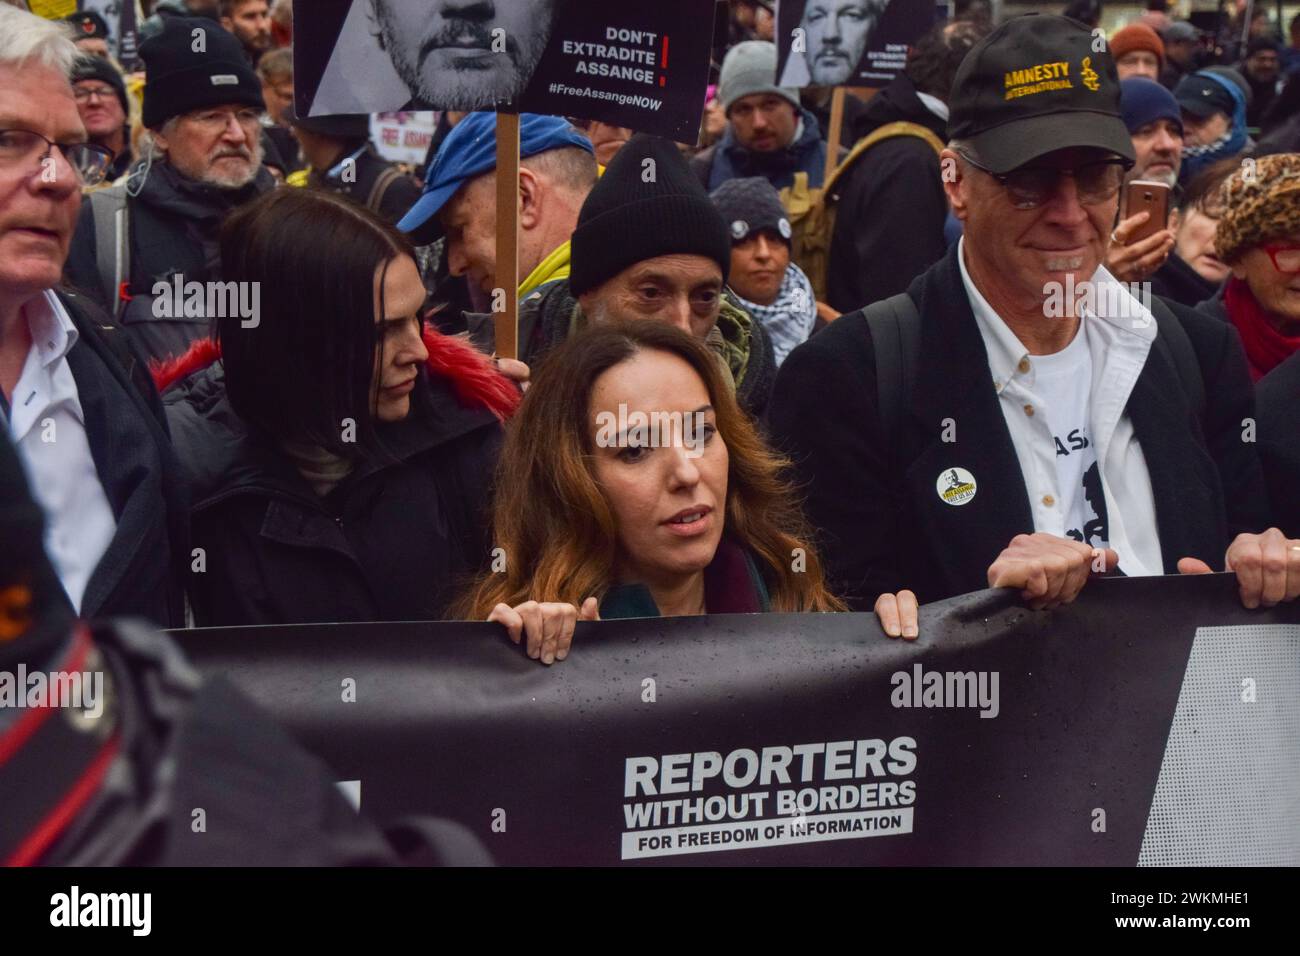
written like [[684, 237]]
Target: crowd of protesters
[[879, 395]]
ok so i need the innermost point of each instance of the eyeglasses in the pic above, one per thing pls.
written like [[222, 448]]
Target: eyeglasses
[[1031, 186], [83, 93], [216, 121], [1286, 259], [22, 147]]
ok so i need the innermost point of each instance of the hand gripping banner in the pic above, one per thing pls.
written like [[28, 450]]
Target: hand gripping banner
[[1153, 721]]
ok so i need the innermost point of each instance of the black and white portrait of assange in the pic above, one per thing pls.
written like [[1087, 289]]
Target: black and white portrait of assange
[[835, 35], [434, 54]]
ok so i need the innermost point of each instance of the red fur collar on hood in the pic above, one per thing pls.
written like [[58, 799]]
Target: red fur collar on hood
[[473, 378]]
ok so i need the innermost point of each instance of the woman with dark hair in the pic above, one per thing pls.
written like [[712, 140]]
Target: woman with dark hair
[[632, 485], [338, 449]]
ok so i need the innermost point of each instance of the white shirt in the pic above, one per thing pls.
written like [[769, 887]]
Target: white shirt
[[1063, 381], [1086, 397], [48, 428]]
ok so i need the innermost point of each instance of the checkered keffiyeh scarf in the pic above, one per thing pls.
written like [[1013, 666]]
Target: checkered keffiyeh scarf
[[789, 320]]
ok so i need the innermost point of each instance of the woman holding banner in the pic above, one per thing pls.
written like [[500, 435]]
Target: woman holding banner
[[631, 485]]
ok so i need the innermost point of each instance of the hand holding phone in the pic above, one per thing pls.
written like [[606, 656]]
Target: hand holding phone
[[1147, 196]]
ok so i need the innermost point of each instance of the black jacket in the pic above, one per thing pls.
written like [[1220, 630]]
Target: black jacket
[[393, 542], [881, 525], [141, 572], [1178, 281], [391, 200], [1277, 396], [174, 224], [891, 210], [728, 159]]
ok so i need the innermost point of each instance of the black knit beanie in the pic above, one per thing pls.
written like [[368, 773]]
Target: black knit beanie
[[97, 68], [627, 220], [185, 72], [34, 611]]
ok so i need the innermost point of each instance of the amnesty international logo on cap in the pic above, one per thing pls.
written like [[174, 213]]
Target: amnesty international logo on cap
[[1035, 85], [1090, 78], [1038, 79]]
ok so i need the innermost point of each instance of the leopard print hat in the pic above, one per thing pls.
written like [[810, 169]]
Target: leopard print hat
[[1261, 201]]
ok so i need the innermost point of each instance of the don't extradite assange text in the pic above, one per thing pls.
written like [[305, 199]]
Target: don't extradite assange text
[[774, 796]]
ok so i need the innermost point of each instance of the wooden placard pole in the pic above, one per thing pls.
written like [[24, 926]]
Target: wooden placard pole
[[506, 321], [834, 133]]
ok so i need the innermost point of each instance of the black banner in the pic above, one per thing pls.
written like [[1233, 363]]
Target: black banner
[[1152, 721], [847, 42], [642, 64]]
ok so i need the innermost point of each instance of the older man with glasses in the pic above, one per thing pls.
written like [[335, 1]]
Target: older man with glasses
[[1019, 418], [100, 92], [74, 398], [202, 157]]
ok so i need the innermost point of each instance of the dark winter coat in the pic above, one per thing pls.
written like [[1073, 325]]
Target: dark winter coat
[[733, 584], [140, 575], [174, 224], [1178, 281], [393, 542], [728, 159], [891, 210], [390, 200], [872, 496], [1277, 396]]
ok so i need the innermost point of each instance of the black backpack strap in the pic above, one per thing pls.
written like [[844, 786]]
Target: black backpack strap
[[1172, 338], [895, 326], [379, 190], [109, 213]]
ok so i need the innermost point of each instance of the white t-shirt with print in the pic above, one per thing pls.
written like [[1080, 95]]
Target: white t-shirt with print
[[1063, 384]]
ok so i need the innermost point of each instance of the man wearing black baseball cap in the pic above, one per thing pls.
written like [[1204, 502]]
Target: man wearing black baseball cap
[[1214, 118], [90, 33], [1018, 418]]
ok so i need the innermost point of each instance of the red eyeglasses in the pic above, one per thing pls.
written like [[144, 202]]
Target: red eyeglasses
[[1285, 258]]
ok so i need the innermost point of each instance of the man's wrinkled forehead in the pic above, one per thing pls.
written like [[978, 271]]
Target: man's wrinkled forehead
[[19, 110], [681, 271]]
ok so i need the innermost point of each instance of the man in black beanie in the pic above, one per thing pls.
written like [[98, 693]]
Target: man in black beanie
[[650, 244], [202, 158], [100, 92]]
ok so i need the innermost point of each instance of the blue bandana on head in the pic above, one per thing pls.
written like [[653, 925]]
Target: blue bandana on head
[[1196, 158]]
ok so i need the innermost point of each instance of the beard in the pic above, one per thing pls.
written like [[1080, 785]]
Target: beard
[[235, 179], [470, 87], [1169, 177]]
